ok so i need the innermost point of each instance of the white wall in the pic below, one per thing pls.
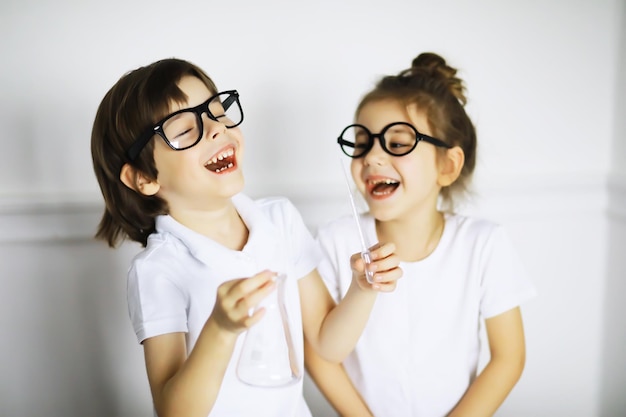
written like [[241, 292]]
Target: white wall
[[543, 81]]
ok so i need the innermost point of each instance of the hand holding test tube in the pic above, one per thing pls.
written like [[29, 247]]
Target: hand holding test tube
[[365, 252]]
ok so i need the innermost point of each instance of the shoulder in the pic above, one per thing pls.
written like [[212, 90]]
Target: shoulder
[[340, 235], [156, 273], [278, 210], [274, 203], [472, 228], [279, 215], [162, 255], [338, 226], [483, 239]]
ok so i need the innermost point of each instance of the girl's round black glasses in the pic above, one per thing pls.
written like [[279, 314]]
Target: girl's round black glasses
[[397, 139]]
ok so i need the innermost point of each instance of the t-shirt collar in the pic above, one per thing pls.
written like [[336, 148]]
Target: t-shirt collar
[[260, 239]]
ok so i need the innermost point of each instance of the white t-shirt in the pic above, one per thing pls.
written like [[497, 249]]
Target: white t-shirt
[[419, 351], [172, 286]]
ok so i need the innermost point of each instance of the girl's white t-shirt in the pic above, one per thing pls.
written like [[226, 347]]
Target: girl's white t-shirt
[[419, 351]]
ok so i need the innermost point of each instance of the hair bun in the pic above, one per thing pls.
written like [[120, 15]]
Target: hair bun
[[434, 66], [428, 61]]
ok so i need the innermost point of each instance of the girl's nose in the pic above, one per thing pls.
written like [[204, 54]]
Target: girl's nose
[[376, 155]]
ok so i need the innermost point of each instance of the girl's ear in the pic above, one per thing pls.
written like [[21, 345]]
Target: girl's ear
[[450, 166], [138, 181]]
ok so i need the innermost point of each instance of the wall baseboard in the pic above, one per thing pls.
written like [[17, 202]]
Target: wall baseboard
[[37, 219], [31, 219]]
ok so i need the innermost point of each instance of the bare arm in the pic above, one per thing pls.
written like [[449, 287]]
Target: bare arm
[[508, 354], [335, 385], [184, 385], [334, 330]]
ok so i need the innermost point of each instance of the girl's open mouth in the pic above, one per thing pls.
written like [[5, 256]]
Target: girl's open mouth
[[222, 162], [382, 187]]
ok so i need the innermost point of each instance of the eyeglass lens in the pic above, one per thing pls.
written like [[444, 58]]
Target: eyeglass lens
[[184, 129], [397, 139]]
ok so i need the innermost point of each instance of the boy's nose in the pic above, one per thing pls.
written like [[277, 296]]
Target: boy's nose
[[212, 128]]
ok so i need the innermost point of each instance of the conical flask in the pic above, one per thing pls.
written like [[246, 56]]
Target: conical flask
[[268, 357]]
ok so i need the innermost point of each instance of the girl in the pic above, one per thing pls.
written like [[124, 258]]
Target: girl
[[167, 152], [413, 148]]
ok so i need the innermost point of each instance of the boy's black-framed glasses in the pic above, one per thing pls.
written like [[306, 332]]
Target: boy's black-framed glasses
[[397, 139], [183, 129]]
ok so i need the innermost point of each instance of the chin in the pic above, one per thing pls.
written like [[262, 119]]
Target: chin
[[385, 214], [236, 186]]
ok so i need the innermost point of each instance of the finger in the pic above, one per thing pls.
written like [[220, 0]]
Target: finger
[[388, 277], [381, 251], [385, 264], [230, 293], [253, 318], [245, 286], [355, 258], [247, 305], [384, 287], [358, 264]]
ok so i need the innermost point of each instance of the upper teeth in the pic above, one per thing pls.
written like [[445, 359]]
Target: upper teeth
[[222, 155], [385, 181]]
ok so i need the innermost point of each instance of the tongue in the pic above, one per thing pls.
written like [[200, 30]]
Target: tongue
[[219, 165], [384, 188]]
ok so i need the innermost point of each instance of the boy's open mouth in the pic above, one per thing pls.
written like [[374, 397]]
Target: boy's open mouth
[[222, 161], [382, 187]]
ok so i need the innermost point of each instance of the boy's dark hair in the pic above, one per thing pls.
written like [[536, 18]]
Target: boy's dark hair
[[137, 100], [432, 85]]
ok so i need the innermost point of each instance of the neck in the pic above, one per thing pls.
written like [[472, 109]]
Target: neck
[[415, 237], [221, 224]]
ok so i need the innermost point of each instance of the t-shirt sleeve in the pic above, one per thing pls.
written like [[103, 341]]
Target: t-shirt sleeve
[[505, 283], [155, 304], [328, 266], [304, 250]]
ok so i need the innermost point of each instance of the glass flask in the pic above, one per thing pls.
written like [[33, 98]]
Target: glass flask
[[268, 357]]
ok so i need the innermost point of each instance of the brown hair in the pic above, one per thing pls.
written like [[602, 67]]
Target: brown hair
[[432, 85], [136, 101]]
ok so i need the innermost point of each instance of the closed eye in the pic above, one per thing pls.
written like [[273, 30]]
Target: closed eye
[[397, 145], [183, 133]]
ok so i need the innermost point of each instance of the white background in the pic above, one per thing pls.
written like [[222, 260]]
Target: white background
[[547, 93]]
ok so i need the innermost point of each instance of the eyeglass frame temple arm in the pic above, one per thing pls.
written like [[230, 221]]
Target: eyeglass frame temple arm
[[133, 152]]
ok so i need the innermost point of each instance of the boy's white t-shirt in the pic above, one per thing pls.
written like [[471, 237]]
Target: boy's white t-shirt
[[172, 287], [419, 350]]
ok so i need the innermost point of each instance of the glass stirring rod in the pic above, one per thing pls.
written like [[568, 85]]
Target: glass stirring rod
[[365, 252]]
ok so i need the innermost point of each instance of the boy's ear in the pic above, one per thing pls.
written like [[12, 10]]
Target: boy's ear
[[138, 181], [450, 166]]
